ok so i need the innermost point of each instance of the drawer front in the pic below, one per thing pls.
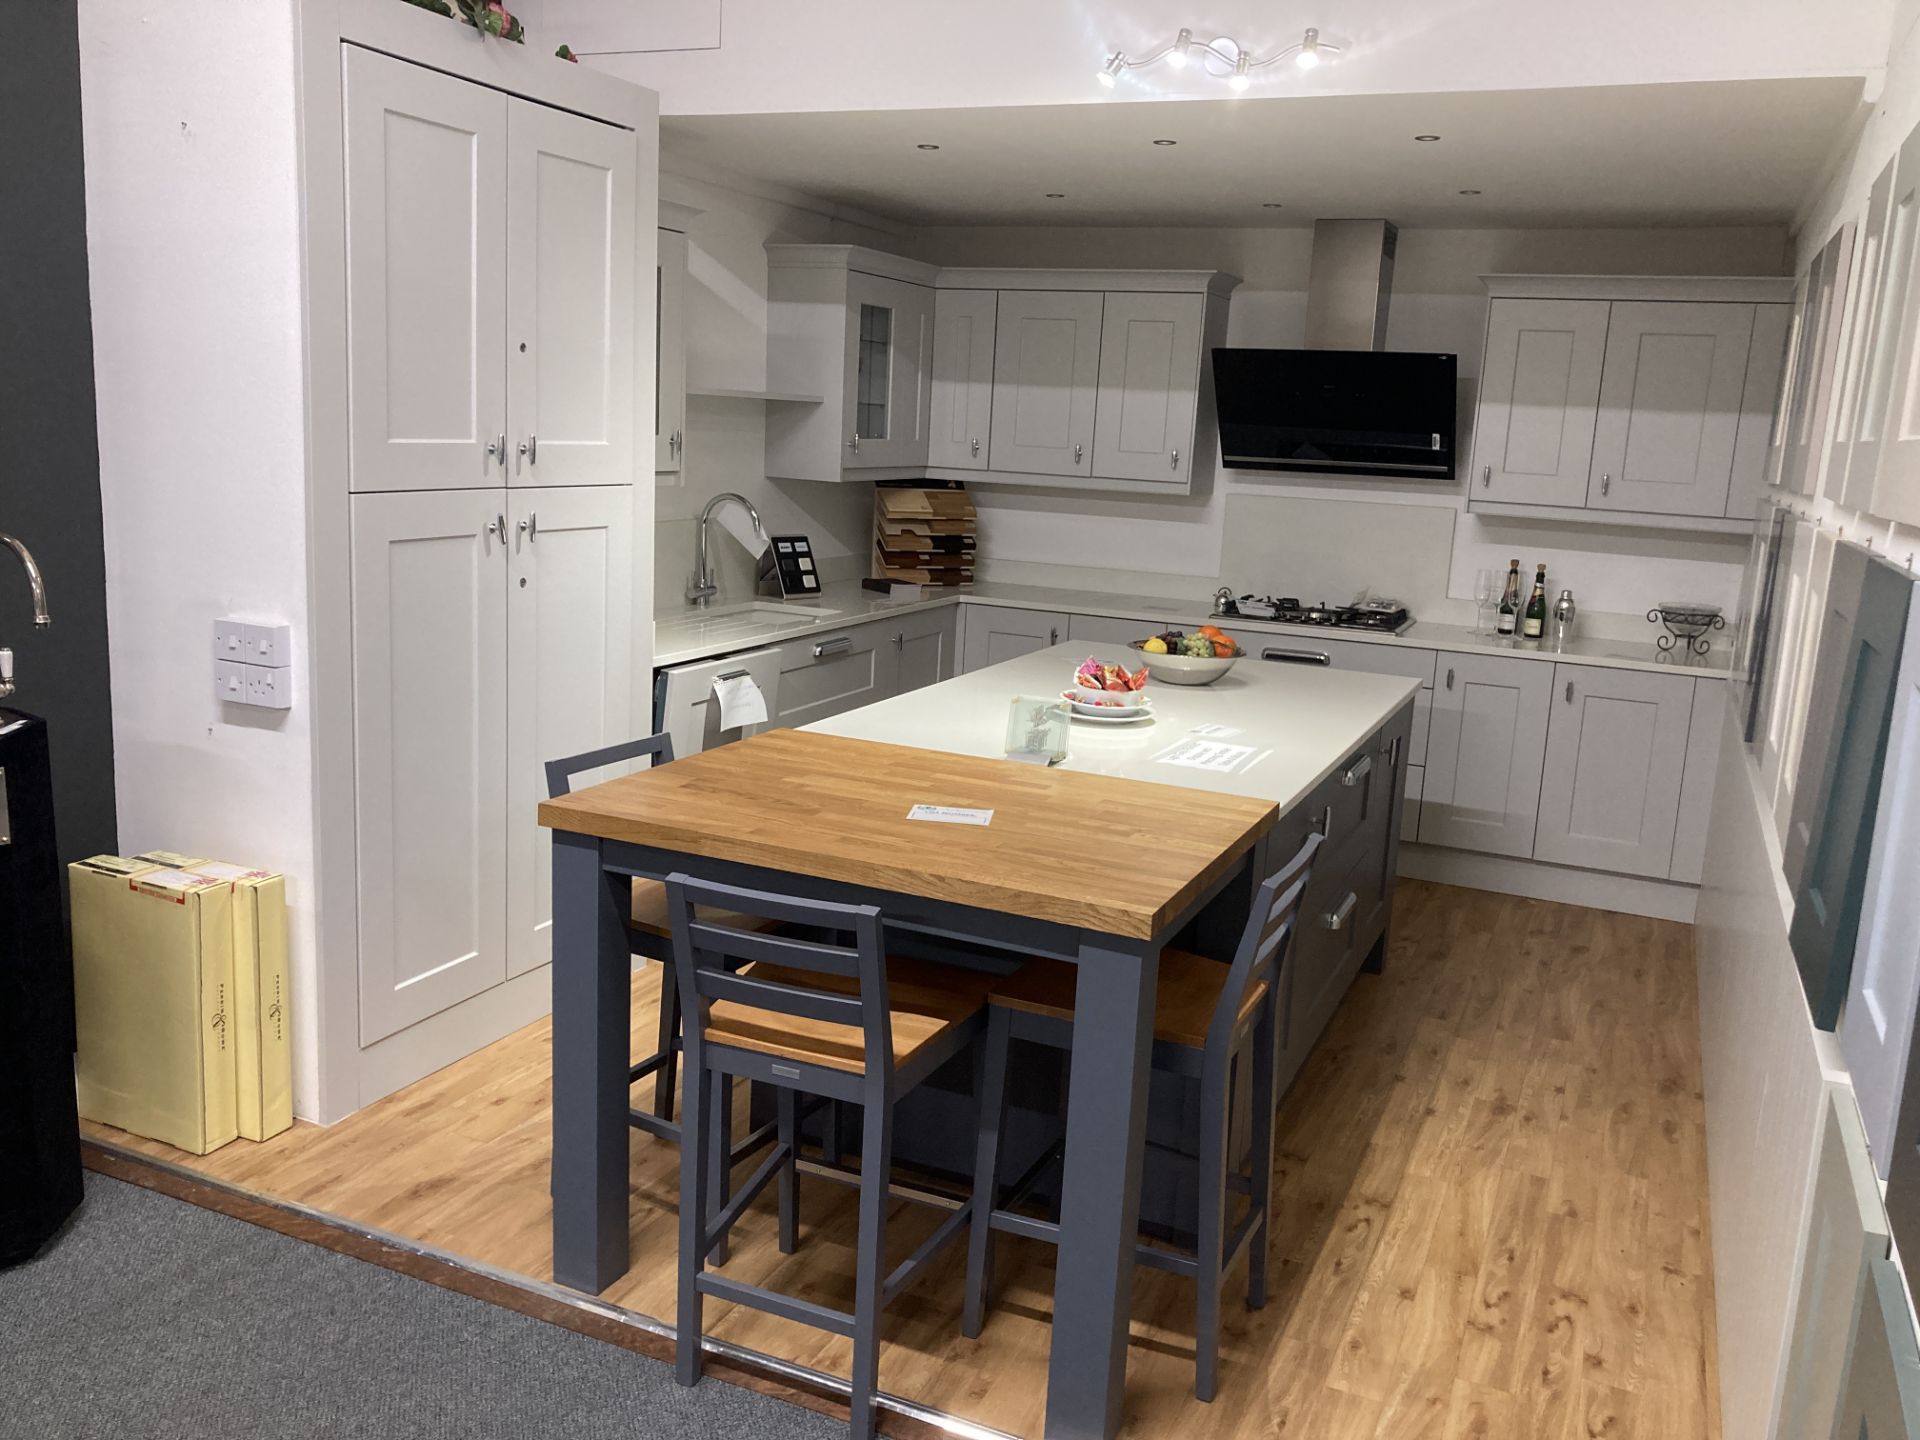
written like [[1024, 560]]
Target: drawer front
[[825, 675]]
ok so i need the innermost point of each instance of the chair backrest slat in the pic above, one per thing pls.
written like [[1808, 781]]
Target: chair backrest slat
[[778, 997], [743, 945], [560, 773], [706, 955]]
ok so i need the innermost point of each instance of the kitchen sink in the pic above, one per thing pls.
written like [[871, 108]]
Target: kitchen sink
[[763, 610]]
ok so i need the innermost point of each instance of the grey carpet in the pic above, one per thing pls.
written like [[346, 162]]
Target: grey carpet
[[154, 1318]]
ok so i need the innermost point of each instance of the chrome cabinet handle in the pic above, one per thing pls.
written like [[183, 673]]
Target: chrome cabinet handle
[[530, 448], [976, 446], [675, 444], [1337, 919], [530, 527], [1356, 772], [1486, 476], [899, 640], [497, 528], [1606, 483], [854, 443], [1174, 463], [497, 449], [1449, 677], [1297, 657], [1325, 825], [1053, 636], [832, 647], [1569, 692], [1076, 454]]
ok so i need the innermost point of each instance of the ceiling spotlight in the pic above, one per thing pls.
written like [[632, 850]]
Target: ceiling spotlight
[[1271, 205], [1166, 142], [1056, 195], [1469, 192], [1222, 57], [1426, 139], [926, 147]]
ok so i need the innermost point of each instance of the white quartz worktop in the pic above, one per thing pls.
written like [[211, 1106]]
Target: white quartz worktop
[[1300, 724], [696, 635]]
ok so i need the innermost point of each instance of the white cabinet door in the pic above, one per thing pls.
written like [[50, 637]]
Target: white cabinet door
[[1670, 395], [426, 246], [825, 675], [1890, 323], [992, 633], [1481, 787], [570, 184], [430, 751], [670, 352], [1616, 752], [922, 649], [1046, 372], [962, 378], [1766, 363], [1149, 380], [569, 675], [1538, 399], [1855, 489], [1895, 396], [888, 372]]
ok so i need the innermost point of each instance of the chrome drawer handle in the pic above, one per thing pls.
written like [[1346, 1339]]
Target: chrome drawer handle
[[975, 444], [1298, 657], [833, 646], [1449, 677], [1569, 692], [1486, 476], [1357, 772], [1337, 919], [1077, 452], [1606, 483]]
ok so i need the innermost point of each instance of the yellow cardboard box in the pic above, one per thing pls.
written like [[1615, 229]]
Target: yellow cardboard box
[[261, 1026], [153, 992]]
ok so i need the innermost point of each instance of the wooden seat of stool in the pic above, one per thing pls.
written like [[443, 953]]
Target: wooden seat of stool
[[1187, 995], [925, 1002]]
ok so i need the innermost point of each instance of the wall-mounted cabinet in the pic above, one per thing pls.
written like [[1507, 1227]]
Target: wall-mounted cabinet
[[1628, 401], [490, 256], [854, 326], [1072, 379]]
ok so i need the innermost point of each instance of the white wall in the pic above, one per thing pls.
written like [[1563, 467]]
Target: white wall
[[727, 350], [1174, 546], [842, 55], [192, 241]]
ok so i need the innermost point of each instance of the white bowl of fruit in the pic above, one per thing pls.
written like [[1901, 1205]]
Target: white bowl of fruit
[[1192, 657]]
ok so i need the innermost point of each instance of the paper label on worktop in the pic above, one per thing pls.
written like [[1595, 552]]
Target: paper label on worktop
[[951, 815], [1213, 755]]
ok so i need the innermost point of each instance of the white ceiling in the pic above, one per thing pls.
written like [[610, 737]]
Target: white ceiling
[[1730, 152]]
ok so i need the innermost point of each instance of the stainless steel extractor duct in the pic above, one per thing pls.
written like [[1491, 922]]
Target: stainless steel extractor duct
[[1350, 284]]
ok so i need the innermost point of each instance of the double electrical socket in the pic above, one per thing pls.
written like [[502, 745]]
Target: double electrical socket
[[252, 664]]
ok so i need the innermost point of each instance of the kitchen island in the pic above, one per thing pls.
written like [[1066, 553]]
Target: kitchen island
[[1085, 863]]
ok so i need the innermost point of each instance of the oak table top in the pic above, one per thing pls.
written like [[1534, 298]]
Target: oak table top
[[1120, 856]]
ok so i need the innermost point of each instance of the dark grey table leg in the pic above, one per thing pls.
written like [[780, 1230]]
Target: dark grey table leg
[[1100, 1206], [590, 1057]]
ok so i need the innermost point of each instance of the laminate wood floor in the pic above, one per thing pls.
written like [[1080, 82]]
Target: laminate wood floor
[[1490, 1210]]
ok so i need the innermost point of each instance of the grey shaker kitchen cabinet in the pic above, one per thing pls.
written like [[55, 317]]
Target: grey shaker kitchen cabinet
[[962, 419], [1616, 755], [1539, 398], [1485, 749], [923, 648], [992, 633]]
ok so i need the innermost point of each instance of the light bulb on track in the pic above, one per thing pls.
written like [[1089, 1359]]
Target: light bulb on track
[[1309, 56]]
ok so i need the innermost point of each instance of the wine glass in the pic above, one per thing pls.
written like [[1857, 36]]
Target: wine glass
[[1486, 592]]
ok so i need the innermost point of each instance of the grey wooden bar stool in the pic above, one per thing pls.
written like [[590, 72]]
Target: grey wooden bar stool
[[818, 1018], [1214, 1023]]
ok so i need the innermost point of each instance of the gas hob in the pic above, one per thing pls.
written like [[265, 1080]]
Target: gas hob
[[1383, 617]]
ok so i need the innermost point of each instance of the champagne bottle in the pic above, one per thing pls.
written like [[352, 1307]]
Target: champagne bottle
[[1535, 620], [1510, 601]]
